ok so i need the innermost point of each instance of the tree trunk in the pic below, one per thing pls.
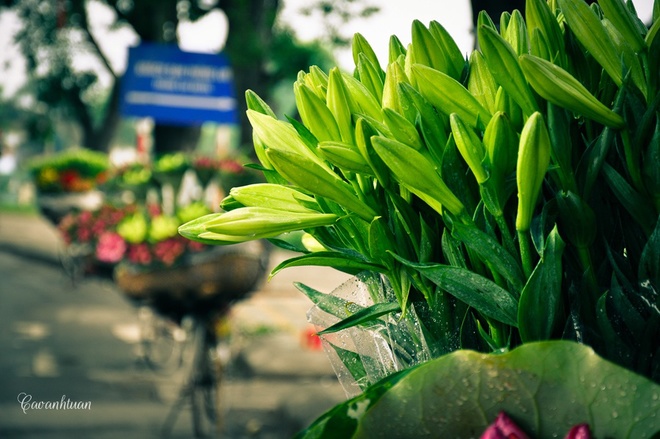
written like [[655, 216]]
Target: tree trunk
[[248, 42]]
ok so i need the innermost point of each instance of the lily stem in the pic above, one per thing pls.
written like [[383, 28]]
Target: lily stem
[[525, 252]]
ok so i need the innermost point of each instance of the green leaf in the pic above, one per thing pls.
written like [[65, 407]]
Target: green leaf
[[342, 420], [365, 315], [633, 201], [344, 262], [333, 305], [546, 387], [481, 293], [353, 363], [490, 251], [540, 300], [649, 265]]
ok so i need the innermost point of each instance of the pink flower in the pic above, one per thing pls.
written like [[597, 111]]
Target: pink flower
[[503, 428], [110, 248], [580, 431], [85, 217]]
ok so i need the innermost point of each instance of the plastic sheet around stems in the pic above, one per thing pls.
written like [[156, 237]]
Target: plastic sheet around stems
[[363, 355]]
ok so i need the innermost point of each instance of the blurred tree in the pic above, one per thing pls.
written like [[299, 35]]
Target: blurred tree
[[495, 8], [56, 32]]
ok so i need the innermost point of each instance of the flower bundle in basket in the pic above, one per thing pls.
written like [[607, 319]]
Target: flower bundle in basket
[[501, 214], [72, 170], [69, 180], [139, 236]]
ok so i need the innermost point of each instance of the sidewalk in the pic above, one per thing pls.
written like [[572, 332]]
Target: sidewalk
[[276, 372]]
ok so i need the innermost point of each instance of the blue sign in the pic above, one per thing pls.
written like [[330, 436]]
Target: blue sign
[[172, 86]]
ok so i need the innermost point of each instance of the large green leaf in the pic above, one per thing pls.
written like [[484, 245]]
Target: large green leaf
[[545, 387]]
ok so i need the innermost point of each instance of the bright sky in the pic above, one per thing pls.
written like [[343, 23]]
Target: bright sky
[[394, 18]]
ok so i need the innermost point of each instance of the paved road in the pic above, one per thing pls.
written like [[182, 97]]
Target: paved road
[[79, 343]]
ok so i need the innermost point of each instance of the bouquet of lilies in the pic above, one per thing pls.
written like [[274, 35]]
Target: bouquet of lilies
[[505, 200]]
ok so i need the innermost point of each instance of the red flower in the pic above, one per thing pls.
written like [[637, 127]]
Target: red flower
[[169, 251], [69, 179], [139, 254], [196, 246], [231, 166]]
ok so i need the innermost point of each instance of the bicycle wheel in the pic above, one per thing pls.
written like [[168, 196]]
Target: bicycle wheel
[[161, 340]]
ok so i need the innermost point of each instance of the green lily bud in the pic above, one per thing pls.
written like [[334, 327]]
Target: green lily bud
[[264, 222], [345, 156], [483, 19], [360, 100], [449, 96], [338, 103], [539, 45], [317, 80], [195, 230], [402, 129], [501, 143], [427, 51], [539, 17], [504, 67], [260, 151], [558, 86], [361, 47], [450, 49], [363, 134], [393, 77], [254, 102], [533, 161], [619, 14], [276, 134], [516, 33], [470, 147], [370, 77], [318, 179], [505, 104], [504, 22], [315, 115], [577, 221], [274, 196], [481, 83], [424, 182], [589, 30], [396, 49], [431, 123], [628, 55]]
